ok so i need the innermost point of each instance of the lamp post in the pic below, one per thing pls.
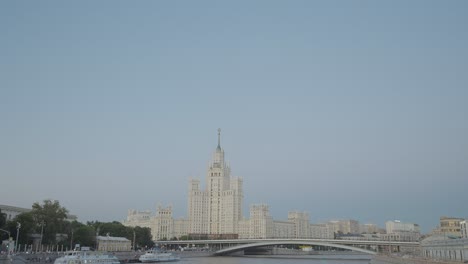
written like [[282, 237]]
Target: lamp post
[[18, 226], [71, 240], [42, 233], [134, 236]]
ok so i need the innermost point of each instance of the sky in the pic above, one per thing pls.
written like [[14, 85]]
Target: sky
[[344, 109]]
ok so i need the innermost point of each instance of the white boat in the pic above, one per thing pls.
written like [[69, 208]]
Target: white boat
[[155, 256], [87, 257]]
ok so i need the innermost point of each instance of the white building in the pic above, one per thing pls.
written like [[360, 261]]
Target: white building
[[463, 229], [347, 226], [163, 226], [283, 229], [218, 209], [138, 218], [108, 243], [216, 213], [399, 231], [322, 231], [12, 211], [397, 225], [301, 224], [442, 247]]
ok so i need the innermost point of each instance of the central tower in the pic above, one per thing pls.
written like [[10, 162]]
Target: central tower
[[217, 210], [217, 179]]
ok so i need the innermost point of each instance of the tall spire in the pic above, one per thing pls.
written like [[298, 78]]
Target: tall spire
[[219, 138]]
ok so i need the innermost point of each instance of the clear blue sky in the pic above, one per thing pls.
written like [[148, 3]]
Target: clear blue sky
[[344, 109]]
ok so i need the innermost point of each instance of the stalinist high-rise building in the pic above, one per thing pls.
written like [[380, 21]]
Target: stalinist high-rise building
[[216, 210]]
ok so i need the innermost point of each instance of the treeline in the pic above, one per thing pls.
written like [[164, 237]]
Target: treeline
[[50, 220]]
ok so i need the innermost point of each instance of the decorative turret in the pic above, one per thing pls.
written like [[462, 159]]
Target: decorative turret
[[218, 155], [219, 140]]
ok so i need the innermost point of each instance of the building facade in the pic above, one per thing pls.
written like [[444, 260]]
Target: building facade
[[347, 226], [398, 226], [463, 229], [108, 243], [442, 247], [449, 226], [215, 212]]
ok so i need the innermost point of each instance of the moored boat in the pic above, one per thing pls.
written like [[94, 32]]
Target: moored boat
[[87, 257], [152, 256]]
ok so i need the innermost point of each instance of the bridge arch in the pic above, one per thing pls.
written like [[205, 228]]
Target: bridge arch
[[289, 242]]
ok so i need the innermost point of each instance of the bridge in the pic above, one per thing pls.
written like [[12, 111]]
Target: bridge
[[228, 246]]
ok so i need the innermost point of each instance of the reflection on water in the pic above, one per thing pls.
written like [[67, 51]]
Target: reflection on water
[[269, 260]]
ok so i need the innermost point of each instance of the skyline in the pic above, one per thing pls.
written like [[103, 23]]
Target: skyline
[[341, 109]]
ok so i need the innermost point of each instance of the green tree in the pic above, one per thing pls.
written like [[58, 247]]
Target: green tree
[[84, 235], [51, 217], [143, 237], [115, 229], [28, 226], [2, 219]]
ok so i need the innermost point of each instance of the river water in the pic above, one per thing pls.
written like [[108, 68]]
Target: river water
[[275, 260]]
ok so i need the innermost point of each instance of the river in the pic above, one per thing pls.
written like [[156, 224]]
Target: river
[[277, 260]]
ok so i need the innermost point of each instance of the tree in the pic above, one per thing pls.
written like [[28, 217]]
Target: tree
[[2, 219], [51, 217], [28, 226], [115, 229], [84, 235], [143, 237]]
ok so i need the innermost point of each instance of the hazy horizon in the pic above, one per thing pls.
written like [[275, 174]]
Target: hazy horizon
[[344, 109]]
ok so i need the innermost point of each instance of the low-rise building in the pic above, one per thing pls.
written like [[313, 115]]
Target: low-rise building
[[108, 243], [443, 247]]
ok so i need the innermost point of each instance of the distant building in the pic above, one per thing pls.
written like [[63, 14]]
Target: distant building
[[108, 243], [442, 247], [283, 229], [464, 229], [449, 226], [348, 226], [260, 222], [218, 209], [400, 231], [216, 212], [405, 236], [301, 224], [398, 226], [138, 218], [321, 231], [13, 211], [369, 229]]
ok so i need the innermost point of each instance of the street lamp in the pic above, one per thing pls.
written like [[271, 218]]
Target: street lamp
[[134, 236], [42, 232], [71, 240], [18, 226]]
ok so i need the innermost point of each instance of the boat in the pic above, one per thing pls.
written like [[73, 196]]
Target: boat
[[152, 256], [87, 257]]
